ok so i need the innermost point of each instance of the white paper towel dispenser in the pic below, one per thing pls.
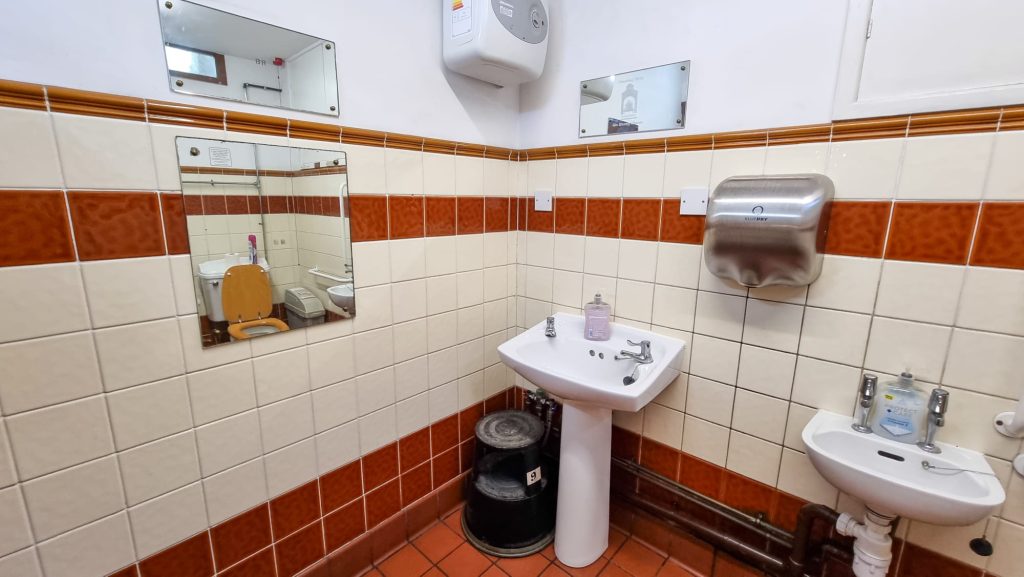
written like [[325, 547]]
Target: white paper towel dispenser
[[768, 230]]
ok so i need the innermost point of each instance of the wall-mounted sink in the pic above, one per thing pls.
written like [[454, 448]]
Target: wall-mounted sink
[[955, 487], [342, 295], [590, 382]]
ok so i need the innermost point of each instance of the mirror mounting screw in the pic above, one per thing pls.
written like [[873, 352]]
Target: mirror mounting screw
[[169, 4]]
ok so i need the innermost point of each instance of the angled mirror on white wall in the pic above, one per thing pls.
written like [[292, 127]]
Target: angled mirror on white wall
[[222, 55]]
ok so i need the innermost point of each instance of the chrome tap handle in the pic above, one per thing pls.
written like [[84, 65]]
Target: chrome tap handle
[[938, 404], [865, 400], [644, 356], [549, 330]]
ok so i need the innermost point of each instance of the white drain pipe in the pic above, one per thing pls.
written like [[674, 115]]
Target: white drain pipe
[[872, 548]]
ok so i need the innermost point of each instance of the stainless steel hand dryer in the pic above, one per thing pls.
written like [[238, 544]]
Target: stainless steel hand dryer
[[768, 230]]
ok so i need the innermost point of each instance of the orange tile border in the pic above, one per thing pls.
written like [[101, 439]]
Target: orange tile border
[[161, 112], [255, 123], [938, 232], [113, 225], [73, 101], [857, 228], [22, 95], [34, 228], [999, 241]]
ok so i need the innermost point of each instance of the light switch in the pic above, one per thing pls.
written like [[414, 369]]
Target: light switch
[[693, 201], [542, 201]]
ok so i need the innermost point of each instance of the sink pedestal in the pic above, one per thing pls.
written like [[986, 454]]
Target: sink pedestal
[[584, 473]]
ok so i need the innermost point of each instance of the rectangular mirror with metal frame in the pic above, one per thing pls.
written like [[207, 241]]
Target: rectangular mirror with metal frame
[[213, 53], [638, 101], [269, 237]]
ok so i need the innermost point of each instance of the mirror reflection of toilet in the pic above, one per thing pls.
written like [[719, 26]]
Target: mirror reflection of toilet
[[247, 302]]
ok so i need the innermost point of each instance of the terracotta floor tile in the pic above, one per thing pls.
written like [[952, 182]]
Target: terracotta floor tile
[[671, 569], [434, 572], [591, 570], [554, 571], [373, 573], [437, 542], [615, 540], [613, 570], [525, 566], [638, 560], [464, 562], [549, 551], [407, 562], [454, 522], [494, 572]]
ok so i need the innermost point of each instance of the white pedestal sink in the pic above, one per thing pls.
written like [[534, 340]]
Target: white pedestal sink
[[954, 487], [586, 376]]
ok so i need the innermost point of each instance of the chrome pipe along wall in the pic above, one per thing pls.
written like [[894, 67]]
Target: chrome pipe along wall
[[795, 546]]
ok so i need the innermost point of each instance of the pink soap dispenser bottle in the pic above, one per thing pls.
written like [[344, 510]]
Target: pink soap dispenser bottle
[[597, 320]]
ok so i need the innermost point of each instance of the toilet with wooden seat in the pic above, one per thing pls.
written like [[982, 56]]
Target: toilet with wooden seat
[[247, 303]]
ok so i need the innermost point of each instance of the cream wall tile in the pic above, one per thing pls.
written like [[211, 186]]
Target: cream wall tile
[[290, 467], [846, 283], [496, 249], [569, 251], [410, 340], [281, 375], [441, 294], [495, 317], [51, 300], [334, 405], [438, 174], [469, 176], [781, 294], [570, 177], [228, 442], [328, 331], [221, 392], [444, 401], [74, 497], [951, 541], [674, 307], [471, 390], [139, 353], [1008, 544], [772, 325], [377, 429], [679, 264], [633, 422], [331, 362], [797, 476], [370, 172], [165, 150], [469, 287], [496, 176], [374, 308], [967, 410], [21, 564], [991, 301], [404, 171], [1013, 509], [412, 414], [149, 412], [796, 158], [30, 160], [442, 331], [834, 335], [567, 288], [442, 367], [375, 390], [540, 175], [371, 263], [684, 170], [895, 346], [635, 300], [710, 400], [604, 176], [865, 169], [286, 422], [235, 490], [7, 475], [105, 153], [985, 362], [706, 440], [159, 467], [719, 315], [469, 323], [715, 359], [540, 249], [50, 439], [919, 291], [408, 259], [470, 357], [15, 532], [798, 418], [374, 350], [469, 252], [754, 458], [164, 521], [336, 447], [760, 415], [46, 371], [709, 282], [825, 385], [643, 175], [674, 395], [95, 549], [638, 260], [736, 162], [1005, 175], [197, 358], [663, 425], [766, 371], [945, 167], [496, 283], [117, 296]]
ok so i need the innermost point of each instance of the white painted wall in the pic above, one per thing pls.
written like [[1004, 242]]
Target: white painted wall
[[755, 64], [389, 60]]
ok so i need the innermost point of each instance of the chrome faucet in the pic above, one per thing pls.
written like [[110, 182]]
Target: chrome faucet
[[865, 400], [938, 404], [643, 357], [549, 330]]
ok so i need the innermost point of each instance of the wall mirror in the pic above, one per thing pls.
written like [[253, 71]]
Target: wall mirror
[[637, 101], [269, 236], [213, 53]]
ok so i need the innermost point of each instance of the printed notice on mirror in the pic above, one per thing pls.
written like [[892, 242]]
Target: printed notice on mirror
[[220, 156]]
